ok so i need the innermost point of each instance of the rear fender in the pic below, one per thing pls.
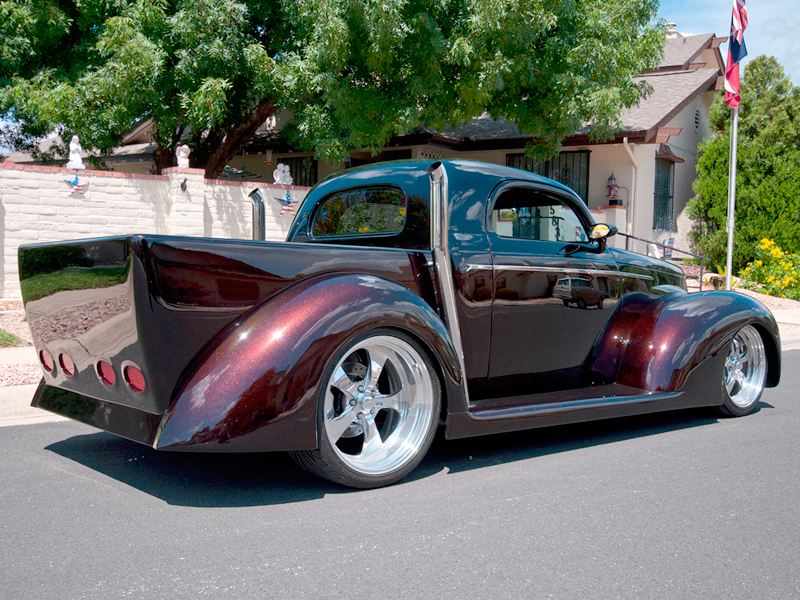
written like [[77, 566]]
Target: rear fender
[[257, 389], [677, 332]]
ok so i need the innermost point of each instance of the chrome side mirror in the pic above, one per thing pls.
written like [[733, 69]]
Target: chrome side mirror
[[601, 232]]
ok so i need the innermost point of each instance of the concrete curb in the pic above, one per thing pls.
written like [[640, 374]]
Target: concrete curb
[[15, 356], [16, 409]]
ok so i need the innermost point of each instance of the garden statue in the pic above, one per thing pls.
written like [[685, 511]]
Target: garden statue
[[75, 160], [182, 153], [282, 175]]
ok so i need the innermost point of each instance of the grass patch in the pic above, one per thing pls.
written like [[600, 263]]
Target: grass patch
[[46, 284], [9, 340]]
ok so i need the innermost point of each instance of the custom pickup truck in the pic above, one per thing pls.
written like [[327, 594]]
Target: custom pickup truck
[[408, 296]]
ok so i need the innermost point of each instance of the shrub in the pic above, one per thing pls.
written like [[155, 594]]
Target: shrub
[[47, 259], [773, 272]]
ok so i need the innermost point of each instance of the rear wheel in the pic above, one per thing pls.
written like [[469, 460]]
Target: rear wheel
[[745, 373], [581, 303], [378, 412]]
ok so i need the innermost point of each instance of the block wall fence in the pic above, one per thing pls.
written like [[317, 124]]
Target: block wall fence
[[38, 204]]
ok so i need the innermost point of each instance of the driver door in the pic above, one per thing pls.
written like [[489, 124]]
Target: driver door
[[541, 335]]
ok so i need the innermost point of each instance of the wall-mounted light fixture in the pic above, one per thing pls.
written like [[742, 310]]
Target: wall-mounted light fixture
[[613, 191], [268, 156]]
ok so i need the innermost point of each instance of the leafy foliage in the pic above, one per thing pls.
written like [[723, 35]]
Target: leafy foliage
[[352, 72], [768, 169], [773, 271], [9, 340], [45, 284], [46, 259]]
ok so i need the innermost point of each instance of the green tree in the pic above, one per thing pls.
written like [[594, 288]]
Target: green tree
[[352, 72], [767, 170]]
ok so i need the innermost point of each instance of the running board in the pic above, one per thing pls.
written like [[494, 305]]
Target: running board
[[514, 412], [530, 416]]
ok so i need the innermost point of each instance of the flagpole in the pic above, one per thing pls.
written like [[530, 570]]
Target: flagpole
[[731, 196], [736, 52]]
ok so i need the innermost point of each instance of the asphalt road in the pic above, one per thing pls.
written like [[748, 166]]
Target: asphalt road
[[682, 506]]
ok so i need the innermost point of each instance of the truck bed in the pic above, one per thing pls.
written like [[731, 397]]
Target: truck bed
[[160, 303]]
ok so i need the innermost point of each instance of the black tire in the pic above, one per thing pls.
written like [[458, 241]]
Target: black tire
[[600, 303], [566, 302], [744, 374], [581, 303], [374, 429]]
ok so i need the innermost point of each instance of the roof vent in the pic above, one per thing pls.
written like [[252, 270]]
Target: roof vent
[[697, 120]]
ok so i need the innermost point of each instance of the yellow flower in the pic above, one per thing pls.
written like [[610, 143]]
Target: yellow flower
[[766, 243], [770, 279], [363, 229], [759, 263], [403, 212], [776, 252]]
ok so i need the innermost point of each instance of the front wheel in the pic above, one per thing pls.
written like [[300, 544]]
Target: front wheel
[[378, 412], [744, 374]]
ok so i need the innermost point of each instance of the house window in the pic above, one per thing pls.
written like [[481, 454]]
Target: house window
[[569, 168], [663, 209], [302, 168]]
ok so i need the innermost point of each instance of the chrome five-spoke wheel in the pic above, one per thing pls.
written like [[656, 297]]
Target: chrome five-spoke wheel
[[379, 411], [745, 372]]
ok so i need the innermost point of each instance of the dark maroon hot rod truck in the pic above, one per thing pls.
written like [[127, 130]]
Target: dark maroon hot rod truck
[[408, 296]]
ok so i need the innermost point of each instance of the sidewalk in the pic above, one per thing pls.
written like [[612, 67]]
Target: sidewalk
[[15, 408], [15, 400]]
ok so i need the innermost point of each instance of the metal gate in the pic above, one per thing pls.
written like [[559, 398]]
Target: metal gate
[[662, 210]]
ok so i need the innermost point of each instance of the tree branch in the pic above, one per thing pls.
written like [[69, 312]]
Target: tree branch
[[236, 138]]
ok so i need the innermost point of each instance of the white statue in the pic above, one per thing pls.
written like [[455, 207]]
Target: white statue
[[182, 153], [75, 160], [282, 175]]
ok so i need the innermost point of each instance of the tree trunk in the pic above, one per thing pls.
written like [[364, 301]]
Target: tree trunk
[[163, 157], [235, 140]]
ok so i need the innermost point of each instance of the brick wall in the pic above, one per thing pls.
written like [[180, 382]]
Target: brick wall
[[38, 205]]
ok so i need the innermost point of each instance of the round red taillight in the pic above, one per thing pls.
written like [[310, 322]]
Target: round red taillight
[[46, 360], [106, 373], [67, 365], [134, 378]]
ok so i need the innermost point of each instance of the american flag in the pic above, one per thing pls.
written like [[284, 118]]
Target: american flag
[[736, 52], [286, 203], [76, 185]]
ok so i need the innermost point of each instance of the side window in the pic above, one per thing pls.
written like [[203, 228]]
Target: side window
[[533, 215], [361, 211]]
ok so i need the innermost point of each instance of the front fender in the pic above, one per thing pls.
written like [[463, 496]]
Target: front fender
[[257, 389], [678, 332]]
